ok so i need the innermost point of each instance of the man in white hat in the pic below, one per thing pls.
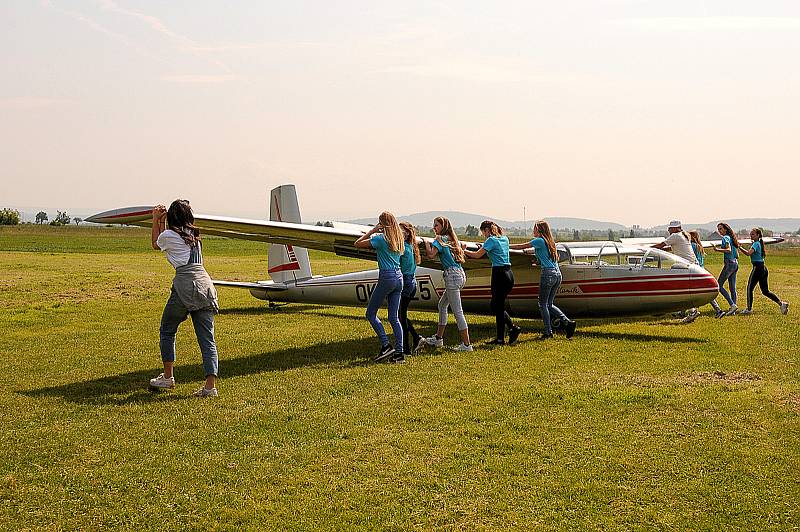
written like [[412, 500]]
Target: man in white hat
[[681, 246], [679, 241]]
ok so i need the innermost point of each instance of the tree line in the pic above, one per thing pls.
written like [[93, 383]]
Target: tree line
[[12, 217]]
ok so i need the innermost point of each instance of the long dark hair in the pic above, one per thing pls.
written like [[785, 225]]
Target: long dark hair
[[181, 220], [760, 239], [730, 233]]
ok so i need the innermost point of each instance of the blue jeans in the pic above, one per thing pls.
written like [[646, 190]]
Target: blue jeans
[[728, 273], [389, 287], [548, 287], [203, 320]]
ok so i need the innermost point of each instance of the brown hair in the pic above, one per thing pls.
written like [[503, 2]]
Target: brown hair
[[452, 239], [391, 231], [410, 236], [729, 232], [694, 236], [760, 239], [544, 230], [181, 220], [493, 228]]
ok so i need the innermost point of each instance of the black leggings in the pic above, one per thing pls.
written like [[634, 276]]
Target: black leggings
[[408, 328], [502, 283], [759, 276]]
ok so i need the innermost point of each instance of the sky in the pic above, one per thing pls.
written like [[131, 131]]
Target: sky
[[632, 111]]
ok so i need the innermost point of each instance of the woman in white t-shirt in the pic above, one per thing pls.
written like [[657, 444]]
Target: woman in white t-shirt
[[192, 292]]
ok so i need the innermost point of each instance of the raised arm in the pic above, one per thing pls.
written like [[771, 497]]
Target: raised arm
[[522, 245], [159, 224], [363, 240], [430, 250]]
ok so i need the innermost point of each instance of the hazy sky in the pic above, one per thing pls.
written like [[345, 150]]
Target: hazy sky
[[629, 111]]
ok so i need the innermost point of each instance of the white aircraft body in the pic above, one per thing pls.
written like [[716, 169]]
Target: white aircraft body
[[603, 279]]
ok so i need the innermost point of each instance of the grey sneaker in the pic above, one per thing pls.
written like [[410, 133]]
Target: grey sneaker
[[691, 316], [205, 392], [162, 382], [463, 347], [784, 307], [434, 341], [745, 312], [732, 310]]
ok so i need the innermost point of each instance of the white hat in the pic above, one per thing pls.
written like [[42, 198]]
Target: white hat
[[674, 224]]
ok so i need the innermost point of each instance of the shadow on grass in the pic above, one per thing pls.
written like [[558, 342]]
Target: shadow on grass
[[278, 309], [132, 387]]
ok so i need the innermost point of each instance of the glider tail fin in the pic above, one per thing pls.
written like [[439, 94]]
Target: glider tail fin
[[286, 263]]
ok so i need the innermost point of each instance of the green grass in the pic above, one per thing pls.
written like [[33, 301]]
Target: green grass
[[631, 425]]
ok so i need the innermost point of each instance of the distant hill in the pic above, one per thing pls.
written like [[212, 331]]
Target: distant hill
[[462, 219], [780, 225]]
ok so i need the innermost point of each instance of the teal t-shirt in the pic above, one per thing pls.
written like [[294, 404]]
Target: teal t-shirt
[[758, 253], [728, 242], [542, 253], [387, 259], [701, 259], [445, 255], [407, 263], [497, 249]]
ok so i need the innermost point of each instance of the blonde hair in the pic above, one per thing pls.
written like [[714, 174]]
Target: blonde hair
[[452, 239], [391, 231], [544, 231], [494, 229], [410, 235], [694, 236]]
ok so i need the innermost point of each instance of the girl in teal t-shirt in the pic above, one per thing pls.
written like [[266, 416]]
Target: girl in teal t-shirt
[[496, 247], [544, 246], [730, 265], [448, 248], [759, 275], [700, 254], [386, 239]]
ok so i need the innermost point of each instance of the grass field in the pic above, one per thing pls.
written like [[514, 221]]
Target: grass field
[[630, 425]]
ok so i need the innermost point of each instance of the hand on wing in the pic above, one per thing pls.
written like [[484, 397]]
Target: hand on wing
[[159, 212]]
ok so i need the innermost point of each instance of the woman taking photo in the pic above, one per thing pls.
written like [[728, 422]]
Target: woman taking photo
[[408, 267], [386, 239], [544, 247], [759, 276], [730, 265], [192, 293], [447, 246], [496, 246]]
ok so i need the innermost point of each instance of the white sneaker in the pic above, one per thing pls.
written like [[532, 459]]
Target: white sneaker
[[732, 310], [462, 347], [784, 307], [162, 382], [691, 316], [434, 341], [745, 312], [204, 392]]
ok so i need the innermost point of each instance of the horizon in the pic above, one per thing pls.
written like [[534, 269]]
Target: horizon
[[30, 214]]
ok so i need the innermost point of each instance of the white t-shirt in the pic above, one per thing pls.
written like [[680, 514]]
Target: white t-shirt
[[178, 251], [681, 247]]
